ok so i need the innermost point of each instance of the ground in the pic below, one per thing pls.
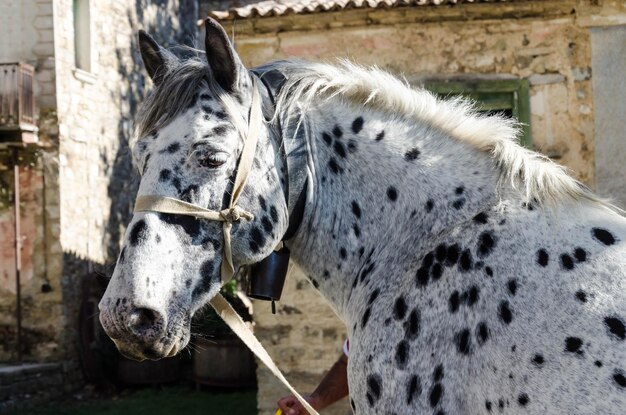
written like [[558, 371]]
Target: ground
[[155, 401]]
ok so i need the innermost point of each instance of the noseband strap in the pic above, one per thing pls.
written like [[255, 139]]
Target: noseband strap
[[155, 203]]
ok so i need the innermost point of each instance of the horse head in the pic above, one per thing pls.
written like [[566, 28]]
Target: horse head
[[190, 135]]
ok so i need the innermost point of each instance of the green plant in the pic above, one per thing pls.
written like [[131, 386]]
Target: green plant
[[206, 322]]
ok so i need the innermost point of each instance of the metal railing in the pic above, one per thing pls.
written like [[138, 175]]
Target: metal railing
[[17, 100]]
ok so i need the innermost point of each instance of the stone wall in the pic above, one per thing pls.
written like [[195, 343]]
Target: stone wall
[[543, 42]]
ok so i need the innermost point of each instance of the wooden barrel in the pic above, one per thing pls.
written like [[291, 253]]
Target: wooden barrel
[[224, 362]]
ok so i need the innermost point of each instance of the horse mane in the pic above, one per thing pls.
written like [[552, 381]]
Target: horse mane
[[536, 176]]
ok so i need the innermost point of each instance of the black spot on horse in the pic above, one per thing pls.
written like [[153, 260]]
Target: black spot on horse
[[435, 394], [392, 193], [257, 239], [366, 317], [482, 332], [473, 295], [436, 271], [274, 214], [402, 352], [603, 236], [458, 204], [262, 202], [327, 138], [523, 399], [452, 255], [466, 261], [139, 233], [356, 209], [343, 253], [488, 271], [189, 224], [616, 327], [459, 190], [380, 136], [543, 257], [481, 218], [374, 389], [337, 131], [164, 175], [220, 130], [580, 255], [171, 149], [486, 243], [189, 193], [454, 302], [399, 308], [438, 373], [267, 224], [414, 389], [440, 252], [488, 406], [352, 146], [422, 275], [334, 167], [412, 154], [464, 341], [412, 325], [573, 345], [357, 230], [619, 379], [207, 277], [581, 296], [357, 125], [512, 286], [538, 360], [340, 150], [429, 205], [567, 262], [505, 312]]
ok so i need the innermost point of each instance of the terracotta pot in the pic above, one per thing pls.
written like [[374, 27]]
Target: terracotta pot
[[224, 362]]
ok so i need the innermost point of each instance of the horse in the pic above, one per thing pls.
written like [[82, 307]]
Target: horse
[[473, 275]]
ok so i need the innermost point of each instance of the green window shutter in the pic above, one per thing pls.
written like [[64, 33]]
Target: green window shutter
[[507, 96]]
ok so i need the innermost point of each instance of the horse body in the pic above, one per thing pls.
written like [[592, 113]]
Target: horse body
[[459, 300], [473, 276]]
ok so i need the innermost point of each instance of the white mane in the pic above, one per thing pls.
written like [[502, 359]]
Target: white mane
[[540, 179]]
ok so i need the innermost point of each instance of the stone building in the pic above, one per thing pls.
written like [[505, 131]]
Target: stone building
[[76, 181], [556, 65]]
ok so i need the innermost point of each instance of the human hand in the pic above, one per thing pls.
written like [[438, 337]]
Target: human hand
[[290, 405]]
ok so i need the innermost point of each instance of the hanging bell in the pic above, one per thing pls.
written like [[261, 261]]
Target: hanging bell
[[268, 276]]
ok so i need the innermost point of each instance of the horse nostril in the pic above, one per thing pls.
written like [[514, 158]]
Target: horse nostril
[[145, 322]]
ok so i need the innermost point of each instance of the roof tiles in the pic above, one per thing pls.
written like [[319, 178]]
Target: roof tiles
[[270, 8]]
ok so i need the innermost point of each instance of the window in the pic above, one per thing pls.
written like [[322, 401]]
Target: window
[[507, 96], [82, 35]]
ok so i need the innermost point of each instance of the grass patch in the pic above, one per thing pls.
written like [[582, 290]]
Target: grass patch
[[175, 400]]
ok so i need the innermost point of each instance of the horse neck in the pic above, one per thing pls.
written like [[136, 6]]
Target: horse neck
[[382, 189]]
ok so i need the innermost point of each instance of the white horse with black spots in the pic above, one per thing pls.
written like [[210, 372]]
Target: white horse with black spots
[[473, 275]]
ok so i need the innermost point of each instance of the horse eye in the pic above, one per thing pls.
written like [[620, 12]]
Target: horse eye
[[213, 160]]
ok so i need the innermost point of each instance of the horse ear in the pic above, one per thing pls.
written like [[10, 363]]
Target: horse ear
[[154, 57], [221, 56]]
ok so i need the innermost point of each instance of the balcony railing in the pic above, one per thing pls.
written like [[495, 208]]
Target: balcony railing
[[17, 103]]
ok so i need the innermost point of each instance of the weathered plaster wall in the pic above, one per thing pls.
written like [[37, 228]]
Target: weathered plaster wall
[[609, 92], [538, 41]]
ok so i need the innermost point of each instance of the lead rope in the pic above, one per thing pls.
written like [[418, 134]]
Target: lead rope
[[233, 213]]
